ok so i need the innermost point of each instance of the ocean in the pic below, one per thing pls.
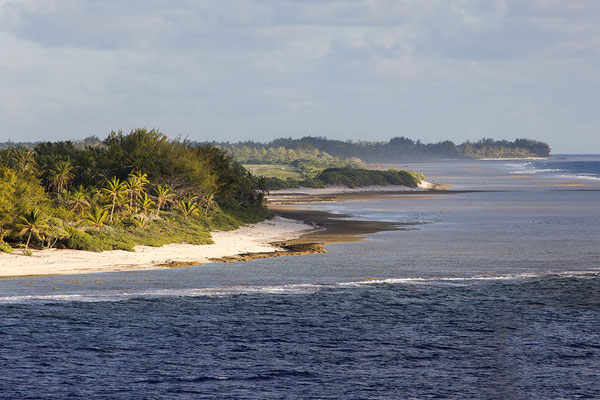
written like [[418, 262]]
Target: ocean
[[494, 293]]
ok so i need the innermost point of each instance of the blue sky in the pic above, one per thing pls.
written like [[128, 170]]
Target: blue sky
[[261, 69]]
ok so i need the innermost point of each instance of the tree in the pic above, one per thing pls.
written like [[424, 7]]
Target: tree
[[78, 201], [188, 207], [33, 224], [129, 189], [135, 185], [261, 200], [60, 175], [262, 184], [8, 210], [162, 194], [113, 191], [96, 217], [145, 203], [140, 221], [23, 159], [54, 232], [209, 190]]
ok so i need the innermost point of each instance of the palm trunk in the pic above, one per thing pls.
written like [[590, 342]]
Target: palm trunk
[[28, 239], [112, 210]]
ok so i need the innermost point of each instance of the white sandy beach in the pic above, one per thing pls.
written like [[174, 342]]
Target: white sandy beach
[[254, 238], [249, 239]]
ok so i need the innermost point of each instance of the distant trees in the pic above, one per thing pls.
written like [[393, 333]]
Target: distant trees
[[309, 148]]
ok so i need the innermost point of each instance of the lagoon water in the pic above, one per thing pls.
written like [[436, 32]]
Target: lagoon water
[[494, 294]]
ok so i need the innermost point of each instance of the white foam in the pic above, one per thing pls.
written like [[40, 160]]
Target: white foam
[[302, 288], [529, 169], [533, 171], [581, 176]]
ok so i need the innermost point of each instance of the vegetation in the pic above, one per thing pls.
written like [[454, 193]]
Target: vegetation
[[310, 151], [274, 171], [350, 177], [286, 163], [136, 188], [363, 177]]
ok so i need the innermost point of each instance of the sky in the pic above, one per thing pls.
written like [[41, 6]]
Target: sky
[[230, 70]]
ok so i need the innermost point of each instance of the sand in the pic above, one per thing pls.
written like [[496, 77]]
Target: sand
[[342, 193], [329, 190], [254, 238]]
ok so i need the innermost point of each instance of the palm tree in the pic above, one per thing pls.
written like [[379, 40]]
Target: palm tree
[[188, 207], [262, 184], [208, 198], [129, 187], [145, 203], [78, 201], [113, 191], [210, 188], [162, 194], [139, 221], [54, 232], [136, 185], [96, 217], [3, 232], [23, 159], [34, 224], [261, 200], [60, 175]]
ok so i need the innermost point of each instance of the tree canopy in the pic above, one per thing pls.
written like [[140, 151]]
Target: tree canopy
[[129, 181]]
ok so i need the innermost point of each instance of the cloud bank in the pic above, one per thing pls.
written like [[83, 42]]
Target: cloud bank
[[259, 69]]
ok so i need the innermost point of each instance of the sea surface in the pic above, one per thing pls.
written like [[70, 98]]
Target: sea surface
[[493, 294]]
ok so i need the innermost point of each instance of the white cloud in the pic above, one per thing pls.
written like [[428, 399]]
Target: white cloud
[[252, 67]]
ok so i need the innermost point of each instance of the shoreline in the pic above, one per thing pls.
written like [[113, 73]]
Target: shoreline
[[293, 231], [256, 238]]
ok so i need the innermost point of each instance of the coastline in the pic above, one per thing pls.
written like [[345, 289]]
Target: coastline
[[256, 238], [293, 231]]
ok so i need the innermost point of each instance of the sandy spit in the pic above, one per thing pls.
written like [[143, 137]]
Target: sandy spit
[[329, 190], [254, 238]]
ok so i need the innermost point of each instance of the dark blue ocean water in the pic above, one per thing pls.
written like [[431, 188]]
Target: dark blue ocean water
[[532, 338], [585, 167], [496, 295]]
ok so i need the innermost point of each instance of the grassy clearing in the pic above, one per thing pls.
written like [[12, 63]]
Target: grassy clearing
[[274, 171]]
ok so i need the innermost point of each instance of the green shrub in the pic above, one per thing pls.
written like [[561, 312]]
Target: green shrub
[[5, 247], [111, 239], [350, 177], [312, 183], [83, 241], [363, 177]]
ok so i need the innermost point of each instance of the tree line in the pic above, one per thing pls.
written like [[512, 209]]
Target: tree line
[[136, 188], [397, 149]]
